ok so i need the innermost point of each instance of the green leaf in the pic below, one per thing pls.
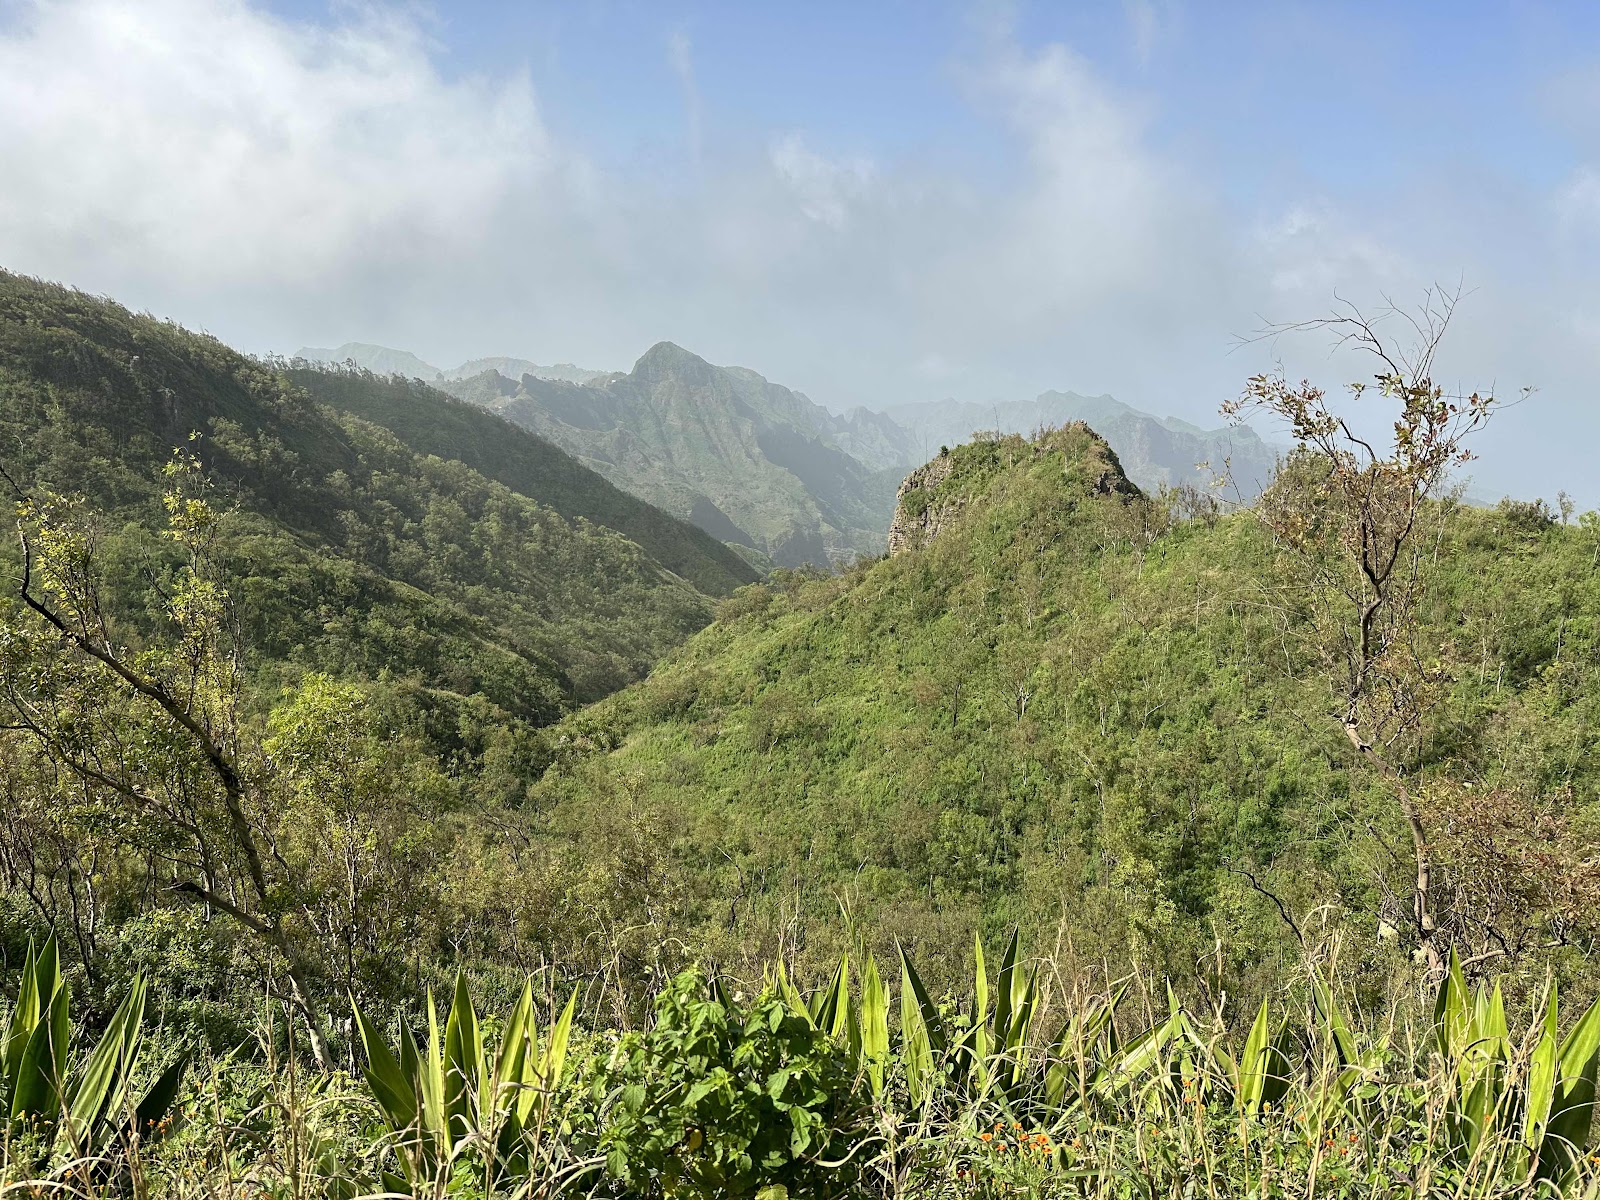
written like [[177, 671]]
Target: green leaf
[[36, 1096], [916, 1053], [833, 1013], [1572, 1116], [102, 1085], [927, 1008], [1003, 994], [555, 1056], [394, 1088], [1450, 1012], [463, 1052], [874, 1024], [1542, 1070], [1252, 1080], [158, 1102]]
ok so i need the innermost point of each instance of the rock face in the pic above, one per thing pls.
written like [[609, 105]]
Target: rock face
[[918, 517], [934, 496]]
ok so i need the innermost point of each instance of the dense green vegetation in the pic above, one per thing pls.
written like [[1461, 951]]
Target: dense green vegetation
[[1081, 715], [836, 1094], [292, 743], [431, 423]]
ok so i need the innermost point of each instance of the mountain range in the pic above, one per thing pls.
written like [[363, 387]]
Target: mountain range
[[749, 461], [771, 472], [381, 360]]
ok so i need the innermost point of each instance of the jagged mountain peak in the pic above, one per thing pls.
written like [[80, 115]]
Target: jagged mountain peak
[[669, 358]]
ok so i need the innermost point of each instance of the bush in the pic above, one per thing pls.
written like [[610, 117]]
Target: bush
[[716, 1101]]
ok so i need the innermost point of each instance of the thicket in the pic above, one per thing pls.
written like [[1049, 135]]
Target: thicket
[[1016, 1088]]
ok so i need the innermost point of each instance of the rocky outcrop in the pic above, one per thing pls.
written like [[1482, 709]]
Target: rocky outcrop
[[918, 514], [935, 495]]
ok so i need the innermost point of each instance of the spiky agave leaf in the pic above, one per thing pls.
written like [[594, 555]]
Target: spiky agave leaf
[[874, 1053]]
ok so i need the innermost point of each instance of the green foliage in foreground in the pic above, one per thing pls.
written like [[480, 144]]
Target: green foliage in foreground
[[456, 1109], [1012, 1088], [72, 1118]]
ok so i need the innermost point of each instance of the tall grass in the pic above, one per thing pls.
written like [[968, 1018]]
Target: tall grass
[[869, 1087]]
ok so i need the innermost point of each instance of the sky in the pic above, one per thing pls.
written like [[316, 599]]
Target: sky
[[874, 202]]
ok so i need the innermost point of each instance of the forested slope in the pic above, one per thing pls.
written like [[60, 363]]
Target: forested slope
[[430, 422], [1070, 710], [355, 551]]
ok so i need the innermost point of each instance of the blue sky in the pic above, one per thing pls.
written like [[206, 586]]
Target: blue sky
[[872, 202]]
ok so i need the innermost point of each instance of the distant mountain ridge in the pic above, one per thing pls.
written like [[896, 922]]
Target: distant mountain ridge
[[747, 460], [767, 470], [383, 360]]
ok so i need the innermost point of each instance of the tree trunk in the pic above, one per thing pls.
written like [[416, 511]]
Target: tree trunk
[[1427, 929], [308, 1009]]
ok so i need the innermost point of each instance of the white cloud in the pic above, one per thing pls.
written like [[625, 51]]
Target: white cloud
[[680, 57], [207, 141], [1142, 23], [286, 183], [824, 190], [1311, 251]]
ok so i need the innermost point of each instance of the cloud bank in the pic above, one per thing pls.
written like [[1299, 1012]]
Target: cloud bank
[[284, 183]]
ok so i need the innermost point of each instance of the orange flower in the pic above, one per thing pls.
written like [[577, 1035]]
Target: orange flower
[[986, 1137]]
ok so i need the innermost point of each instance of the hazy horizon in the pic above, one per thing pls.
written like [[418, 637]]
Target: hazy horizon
[[873, 207]]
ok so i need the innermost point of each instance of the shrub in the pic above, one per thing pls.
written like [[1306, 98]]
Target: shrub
[[718, 1101]]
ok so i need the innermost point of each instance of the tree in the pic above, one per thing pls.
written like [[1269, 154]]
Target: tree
[[1349, 510], [151, 737]]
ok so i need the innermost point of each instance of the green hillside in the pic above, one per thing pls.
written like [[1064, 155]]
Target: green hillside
[[292, 761], [356, 552], [1066, 708], [430, 422]]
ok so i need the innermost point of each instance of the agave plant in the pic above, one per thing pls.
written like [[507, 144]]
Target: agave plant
[[80, 1111], [1548, 1099], [979, 1051], [1536, 1108], [456, 1104]]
